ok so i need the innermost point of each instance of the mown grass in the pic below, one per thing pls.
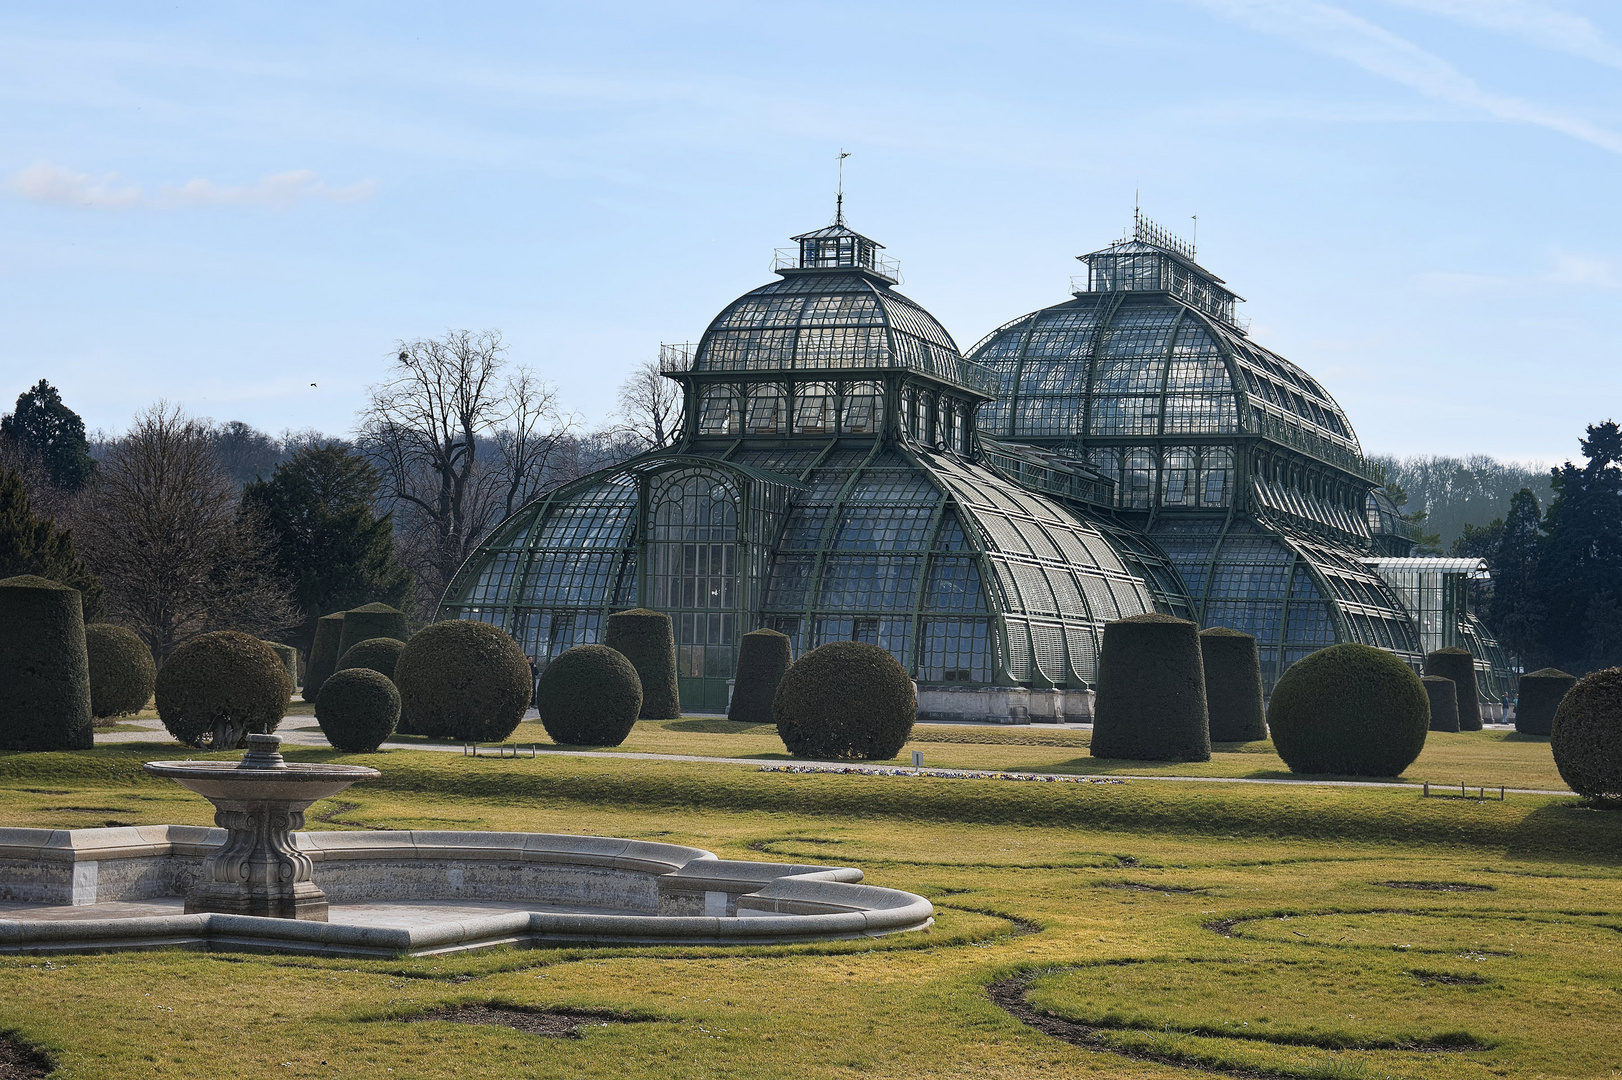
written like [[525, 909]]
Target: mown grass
[[1244, 928]]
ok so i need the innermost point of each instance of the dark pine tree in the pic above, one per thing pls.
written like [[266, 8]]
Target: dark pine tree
[[1581, 560], [1516, 611], [318, 509], [31, 545], [52, 433]]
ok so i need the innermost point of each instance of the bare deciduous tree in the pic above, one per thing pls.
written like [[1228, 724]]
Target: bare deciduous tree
[[458, 446], [160, 526], [649, 406]]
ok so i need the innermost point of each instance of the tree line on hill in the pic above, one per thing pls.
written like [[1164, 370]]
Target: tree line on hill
[[179, 525]]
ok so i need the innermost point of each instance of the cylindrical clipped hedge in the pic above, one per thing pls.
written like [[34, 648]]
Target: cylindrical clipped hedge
[[44, 667], [1349, 709], [1540, 695], [1233, 685], [371, 621], [763, 656], [324, 654], [1150, 704], [380, 654], [289, 658], [462, 680], [1443, 694], [1460, 666], [846, 699], [589, 695], [357, 709], [219, 688], [645, 639], [1587, 736], [122, 673]]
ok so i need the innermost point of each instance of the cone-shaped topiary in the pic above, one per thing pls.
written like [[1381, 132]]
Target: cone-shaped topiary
[[589, 696], [1460, 666], [846, 699], [379, 653], [289, 658], [1350, 709], [1587, 736], [219, 688], [357, 709], [121, 670], [1540, 695], [1233, 685], [1443, 694], [44, 667], [462, 680], [369, 621], [763, 656], [324, 654], [1151, 692], [645, 639]]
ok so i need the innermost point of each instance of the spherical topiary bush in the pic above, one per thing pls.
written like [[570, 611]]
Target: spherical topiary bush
[[462, 680], [324, 654], [44, 667], [1460, 666], [357, 709], [645, 639], [121, 670], [1150, 703], [289, 658], [1350, 709], [1233, 685], [371, 621], [763, 656], [1540, 695], [379, 653], [1587, 736], [846, 699], [1443, 695], [219, 688], [589, 695]]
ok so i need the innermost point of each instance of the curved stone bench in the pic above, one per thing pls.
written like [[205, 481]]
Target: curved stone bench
[[611, 891]]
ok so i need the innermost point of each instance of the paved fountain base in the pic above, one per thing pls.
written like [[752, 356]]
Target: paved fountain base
[[424, 893]]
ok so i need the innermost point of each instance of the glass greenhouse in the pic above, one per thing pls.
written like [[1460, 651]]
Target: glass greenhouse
[[845, 473]]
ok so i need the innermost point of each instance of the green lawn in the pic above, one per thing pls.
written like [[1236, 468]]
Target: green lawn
[[1178, 928]]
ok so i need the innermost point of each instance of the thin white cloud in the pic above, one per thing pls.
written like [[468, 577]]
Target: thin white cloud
[[1337, 32], [1547, 27], [45, 182], [1567, 270]]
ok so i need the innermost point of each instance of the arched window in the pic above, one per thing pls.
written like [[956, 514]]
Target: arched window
[[864, 408], [718, 414], [695, 575], [1181, 480], [1216, 476], [814, 409]]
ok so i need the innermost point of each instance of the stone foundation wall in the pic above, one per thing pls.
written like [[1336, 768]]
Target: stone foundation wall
[[1004, 705]]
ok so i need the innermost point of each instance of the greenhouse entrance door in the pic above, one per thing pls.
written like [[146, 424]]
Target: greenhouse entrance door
[[695, 569]]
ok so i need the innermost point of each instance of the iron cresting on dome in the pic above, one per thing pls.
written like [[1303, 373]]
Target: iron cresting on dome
[[843, 472], [829, 482]]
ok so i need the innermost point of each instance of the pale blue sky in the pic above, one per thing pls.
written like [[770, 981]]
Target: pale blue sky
[[219, 204]]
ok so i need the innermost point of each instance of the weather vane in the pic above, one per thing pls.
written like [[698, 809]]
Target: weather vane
[[839, 200]]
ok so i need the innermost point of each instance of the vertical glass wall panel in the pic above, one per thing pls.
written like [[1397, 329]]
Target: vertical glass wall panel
[[955, 651], [863, 408], [768, 409], [718, 412], [1216, 476], [814, 409], [695, 576]]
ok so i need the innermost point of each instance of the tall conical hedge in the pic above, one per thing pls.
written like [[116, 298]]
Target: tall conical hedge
[[324, 654], [1349, 709], [372, 621], [645, 638], [1460, 666], [1233, 685], [1540, 695], [1444, 698], [763, 656], [44, 667], [1151, 692], [289, 658]]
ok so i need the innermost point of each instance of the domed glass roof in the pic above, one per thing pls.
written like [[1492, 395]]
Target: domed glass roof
[[1149, 347]]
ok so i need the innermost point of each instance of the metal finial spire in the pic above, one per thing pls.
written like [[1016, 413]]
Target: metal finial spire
[[839, 201]]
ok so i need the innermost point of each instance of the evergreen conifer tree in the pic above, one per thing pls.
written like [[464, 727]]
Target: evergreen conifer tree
[[44, 428], [1515, 614], [1581, 559], [31, 545]]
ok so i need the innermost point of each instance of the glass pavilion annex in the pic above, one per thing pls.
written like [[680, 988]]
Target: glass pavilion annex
[[844, 473]]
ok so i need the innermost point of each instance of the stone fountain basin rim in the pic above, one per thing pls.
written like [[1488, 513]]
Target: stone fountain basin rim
[[300, 771], [296, 786]]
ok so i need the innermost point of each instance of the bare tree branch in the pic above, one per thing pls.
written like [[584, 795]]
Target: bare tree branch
[[649, 407]]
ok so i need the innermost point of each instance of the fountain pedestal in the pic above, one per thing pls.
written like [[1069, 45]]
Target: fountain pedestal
[[260, 802]]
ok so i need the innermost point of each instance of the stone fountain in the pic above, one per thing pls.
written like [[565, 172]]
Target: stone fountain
[[260, 801]]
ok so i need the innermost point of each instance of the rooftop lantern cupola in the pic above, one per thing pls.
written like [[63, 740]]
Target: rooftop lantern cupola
[[837, 247], [1154, 260]]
